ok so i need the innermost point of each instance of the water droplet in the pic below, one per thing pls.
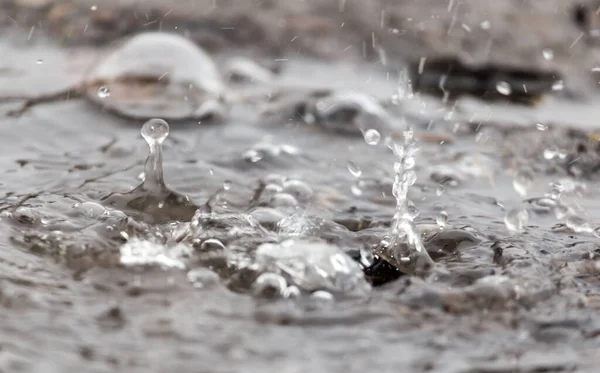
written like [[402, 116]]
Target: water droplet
[[548, 54], [93, 8], [558, 85], [354, 169], [103, 92], [561, 211], [372, 137], [227, 185], [523, 182], [440, 190], [155, 131], [503, 88], [442, 219], [550, 154], [39, 62], [578, 224], [597, 232], [269, 285], [356, 190], [485, 25], [541, 127], [516, 219]]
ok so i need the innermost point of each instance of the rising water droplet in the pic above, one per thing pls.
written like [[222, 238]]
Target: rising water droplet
[[503, 88], [548, 54], [103, 92], [155, 131], [372, 137], [354, 169], [442, 219], [523, 182], [516, 219]]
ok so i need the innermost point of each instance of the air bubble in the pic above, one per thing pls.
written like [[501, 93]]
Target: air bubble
[[503, 88], [516, 219], [354, 169], [155, 131], [372, 137], [103, 92]]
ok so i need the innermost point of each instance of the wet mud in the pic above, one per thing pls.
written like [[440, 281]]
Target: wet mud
[[276, 239]]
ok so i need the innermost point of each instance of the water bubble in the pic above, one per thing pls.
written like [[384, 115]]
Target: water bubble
[[39, 62], [558, 85], [516, 219], [269, 285], [442, 219], [103, 92], [322, 297], [291, 292], [523, 181], [354, 169], [503, 88], [155, 131], [548, 54], [578, 224], [541, 127], [372, 137]]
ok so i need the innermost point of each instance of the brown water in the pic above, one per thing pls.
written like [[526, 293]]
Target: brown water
[[73, 299]]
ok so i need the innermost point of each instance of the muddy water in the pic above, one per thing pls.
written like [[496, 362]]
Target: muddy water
[[496, 301]]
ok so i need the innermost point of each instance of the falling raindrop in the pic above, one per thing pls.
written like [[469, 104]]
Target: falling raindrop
[[372, 136], [354, 169], [516, 219], [504, 88], [103, 92], [548, 54]]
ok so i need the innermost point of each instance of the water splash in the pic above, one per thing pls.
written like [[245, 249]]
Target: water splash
[[152, 201], [405, 249]]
